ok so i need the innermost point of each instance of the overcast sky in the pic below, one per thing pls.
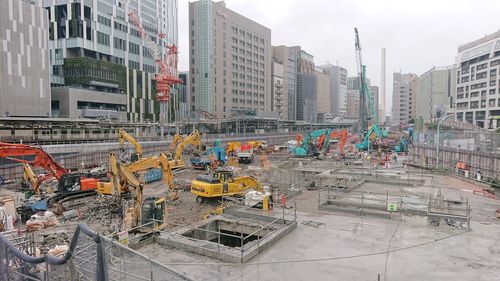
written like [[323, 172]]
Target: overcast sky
[[417, 34]]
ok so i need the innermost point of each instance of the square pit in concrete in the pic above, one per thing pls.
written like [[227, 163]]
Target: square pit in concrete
[[229, 238]]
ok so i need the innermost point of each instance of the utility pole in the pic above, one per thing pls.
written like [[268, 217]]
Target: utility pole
[[437, 145]]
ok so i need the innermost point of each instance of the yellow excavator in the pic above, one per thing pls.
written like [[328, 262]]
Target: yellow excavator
[[151, 210], [125, 137], [175, 141], [222, 183], [193, 139]]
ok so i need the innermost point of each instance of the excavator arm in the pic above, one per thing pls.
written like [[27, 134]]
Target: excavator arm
[[193, 139], [41, 158], [175, 141], [168, 175], [125, 137]]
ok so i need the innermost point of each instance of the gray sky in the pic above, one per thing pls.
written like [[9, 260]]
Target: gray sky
[[417, 34]]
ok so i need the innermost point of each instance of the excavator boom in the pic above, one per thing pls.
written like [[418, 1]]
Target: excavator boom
[[124, 136], [193, 139], [41, 158]]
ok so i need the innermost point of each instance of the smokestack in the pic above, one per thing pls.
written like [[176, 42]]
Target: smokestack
[[382, 88]]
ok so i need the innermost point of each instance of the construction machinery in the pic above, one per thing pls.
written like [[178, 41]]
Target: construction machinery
[[125, 137], [193, 139], [220, 183], [307, 145], [342, 137], [175, 141], [70, 186], [150, 211]]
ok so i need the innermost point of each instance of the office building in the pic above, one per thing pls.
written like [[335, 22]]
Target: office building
[[100, 64], [338, 90], [24, 60], [277, 85], [382, 104], [306, 89], [477, 94], [289, 58], [374, 90], [229, 61], [352, 104], [182, 98], [435, 93], [403, 97], [324, 91]]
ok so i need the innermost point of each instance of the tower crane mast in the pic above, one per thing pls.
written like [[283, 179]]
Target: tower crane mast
[[363, 114], [167, 64]]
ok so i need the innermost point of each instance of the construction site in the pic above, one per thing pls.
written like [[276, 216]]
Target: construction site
[[361, 202]]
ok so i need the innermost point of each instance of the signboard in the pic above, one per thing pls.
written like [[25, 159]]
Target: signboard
[[392, 206], [123, 238]]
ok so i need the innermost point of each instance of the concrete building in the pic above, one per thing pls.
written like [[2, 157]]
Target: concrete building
[[94, 46], [229, 61], [183, 98], [436, 90], [352, 104], [376, 100], [477, 95], [289, 58], [323, 93], [338, 90], [383, 72], [24, 60], [277, 85], [403, 97], [306, 89]]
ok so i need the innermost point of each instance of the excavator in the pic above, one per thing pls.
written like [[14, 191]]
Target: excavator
[[342, 137], [308, 147], [124, 181], [125, 137], [220, 183], [175, 141], [193, 139], [70, 186]]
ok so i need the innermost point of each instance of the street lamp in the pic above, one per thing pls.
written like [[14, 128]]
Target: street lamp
[[437, 145]]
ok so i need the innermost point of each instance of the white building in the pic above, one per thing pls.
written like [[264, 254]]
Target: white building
[[477, 97]]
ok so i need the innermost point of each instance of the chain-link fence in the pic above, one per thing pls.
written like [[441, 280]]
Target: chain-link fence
[[88, 257], [480, 141]]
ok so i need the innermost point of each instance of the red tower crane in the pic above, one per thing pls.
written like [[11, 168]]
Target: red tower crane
[[167, 75]]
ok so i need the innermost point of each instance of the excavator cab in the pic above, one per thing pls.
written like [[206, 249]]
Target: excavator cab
[[154, 213]]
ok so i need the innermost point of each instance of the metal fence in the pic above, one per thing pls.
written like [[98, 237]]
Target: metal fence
[[480, 141], [90, 257]]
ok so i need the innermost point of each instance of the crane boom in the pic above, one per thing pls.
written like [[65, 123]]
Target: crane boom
[[363, 114]]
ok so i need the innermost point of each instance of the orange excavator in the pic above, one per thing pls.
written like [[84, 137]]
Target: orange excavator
[[70, 184], [342, 136]]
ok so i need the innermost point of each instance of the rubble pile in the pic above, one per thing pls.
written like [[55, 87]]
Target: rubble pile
[[102, 215], [48, 241]]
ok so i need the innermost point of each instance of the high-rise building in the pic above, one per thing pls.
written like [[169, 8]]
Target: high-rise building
[[277, 89], [477, 94], [306, 88], [24, 60], [229, 61], [289, 58], [324, 92], [183, 98], [338, 90], [100, 64], [374, 90], [352, 104], [403, 97], [382, 106], [435, 92]]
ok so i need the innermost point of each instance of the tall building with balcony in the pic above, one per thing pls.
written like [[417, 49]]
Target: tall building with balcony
[[100, 66], [478, 82], [436, 91], [24, 60], [229, 61], [404, 89], [289, 58]]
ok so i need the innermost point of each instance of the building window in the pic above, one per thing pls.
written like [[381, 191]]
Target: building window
[[119, 44], [102, 38], [103, 20], [133, 48]]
